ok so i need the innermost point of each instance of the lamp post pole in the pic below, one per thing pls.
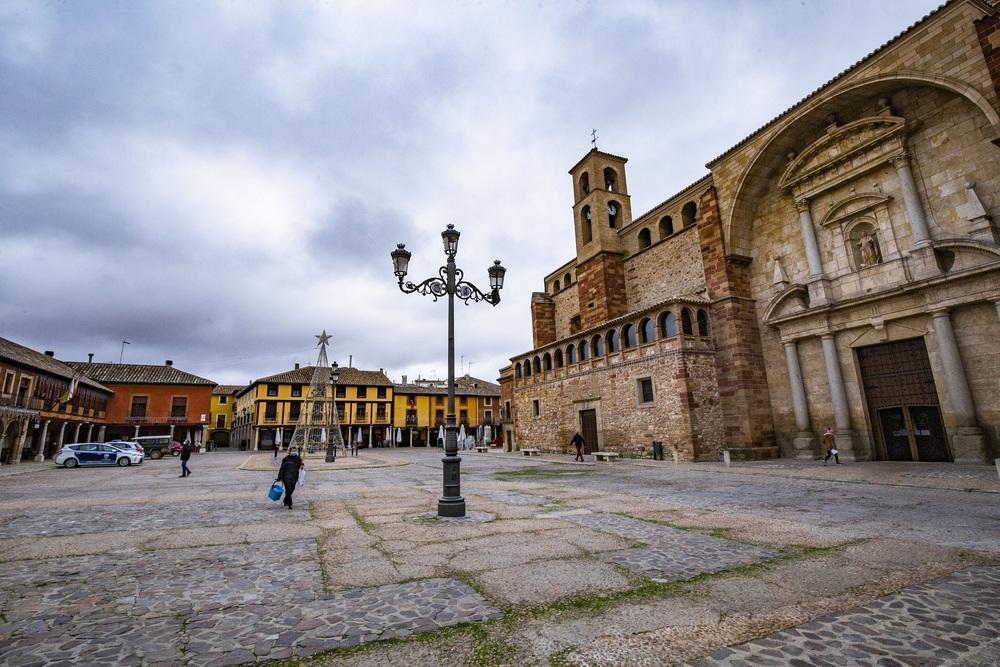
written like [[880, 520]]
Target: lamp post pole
[[450, 281], [331, 446]]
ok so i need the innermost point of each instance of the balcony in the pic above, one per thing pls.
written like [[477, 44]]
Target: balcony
[[439, 421], [486, 422], [270, 420], [411, 420], [176, 419], [23, 402], [136, 418]]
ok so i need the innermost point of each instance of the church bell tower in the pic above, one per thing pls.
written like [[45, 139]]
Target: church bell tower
[[601, 210]]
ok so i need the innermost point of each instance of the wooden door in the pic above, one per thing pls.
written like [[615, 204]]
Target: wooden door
[[588, 429], [902, 401]]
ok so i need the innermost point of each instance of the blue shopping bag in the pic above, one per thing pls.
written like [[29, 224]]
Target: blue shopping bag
[[275, 492]]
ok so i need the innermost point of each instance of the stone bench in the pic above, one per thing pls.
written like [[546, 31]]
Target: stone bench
[[610, 457], [482, 449], [530, 452]]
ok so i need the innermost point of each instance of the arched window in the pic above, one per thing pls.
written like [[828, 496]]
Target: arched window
[[588, 233], [585, 183], [614, 209], [688, 213], [666, 226], [598, 344], [644, 240], [559, 358], [555, 286], [668, 325], [567, 280], [628, 336], [648, 330], [537, 365], [571, 354], [584, 350], [517, 371], [686, 322], [547, 362], [612, 338], [610, 179], [527, 368], [702, 323]]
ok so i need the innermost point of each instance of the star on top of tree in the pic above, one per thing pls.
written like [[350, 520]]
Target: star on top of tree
[[324, 339]]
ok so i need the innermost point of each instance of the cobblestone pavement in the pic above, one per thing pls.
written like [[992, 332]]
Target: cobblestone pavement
[[252, 603], [673, 554], [951, 621], [510, 497], [145, 516]]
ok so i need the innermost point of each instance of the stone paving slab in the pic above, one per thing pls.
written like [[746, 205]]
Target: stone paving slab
[[673, 554], [510, 497], [209, 606], [120, 515], [950, 621]]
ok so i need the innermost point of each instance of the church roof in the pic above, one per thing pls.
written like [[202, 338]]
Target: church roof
[[594, 150], [137, 374]]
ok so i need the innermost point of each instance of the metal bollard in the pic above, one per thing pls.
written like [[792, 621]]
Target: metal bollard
[[997, 461], [725, 457], [677, 457]]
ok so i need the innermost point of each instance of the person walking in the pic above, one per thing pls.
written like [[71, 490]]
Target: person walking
[[830, 444], [578, 442], [288, 474], [185, 456]]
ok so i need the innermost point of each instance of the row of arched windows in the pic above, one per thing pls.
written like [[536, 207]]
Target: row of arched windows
[[666, 227], [567, 281], [614, 340]]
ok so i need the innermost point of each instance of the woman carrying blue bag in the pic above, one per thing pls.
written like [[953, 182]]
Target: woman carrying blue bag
[[288, 474]]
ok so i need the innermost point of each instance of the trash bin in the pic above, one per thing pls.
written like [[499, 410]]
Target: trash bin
[[657, 451]]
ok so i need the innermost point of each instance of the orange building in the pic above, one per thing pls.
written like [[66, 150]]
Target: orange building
[[152, 400]]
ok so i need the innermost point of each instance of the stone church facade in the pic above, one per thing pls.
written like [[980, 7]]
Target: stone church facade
[[839, 268]]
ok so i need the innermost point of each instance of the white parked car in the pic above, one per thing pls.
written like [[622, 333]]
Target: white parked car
[[127, 446], [96, 454]]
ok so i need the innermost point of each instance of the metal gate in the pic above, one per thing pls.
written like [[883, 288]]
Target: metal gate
[[902, 402], [588, 429]]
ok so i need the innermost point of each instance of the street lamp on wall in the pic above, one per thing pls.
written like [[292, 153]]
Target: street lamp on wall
[[449, 281]]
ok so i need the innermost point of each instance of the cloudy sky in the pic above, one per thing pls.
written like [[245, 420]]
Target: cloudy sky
[[217, 182]]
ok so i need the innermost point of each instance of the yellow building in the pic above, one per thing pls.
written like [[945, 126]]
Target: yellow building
[[421, 408], [220, 421], [267, 410]]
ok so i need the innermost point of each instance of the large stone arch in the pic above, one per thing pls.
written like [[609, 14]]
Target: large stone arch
[[809, 120]]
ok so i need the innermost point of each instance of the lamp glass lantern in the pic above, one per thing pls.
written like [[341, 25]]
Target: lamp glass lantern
[[450, 238], [334, 373], [496, 275], [400, 260]]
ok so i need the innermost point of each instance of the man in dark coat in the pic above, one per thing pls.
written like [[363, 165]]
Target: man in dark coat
[[185, 456], [577, 442], [288, 474]]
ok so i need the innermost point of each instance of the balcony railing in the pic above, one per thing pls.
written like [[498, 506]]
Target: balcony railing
[[270, 419], [177, 419], [23, 402], [439, 421], [411, 421]]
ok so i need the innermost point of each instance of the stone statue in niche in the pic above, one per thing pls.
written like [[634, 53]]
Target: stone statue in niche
[[869, 250]]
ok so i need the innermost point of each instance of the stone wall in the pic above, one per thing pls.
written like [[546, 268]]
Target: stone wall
[[543, 319], [667, 268], [567, 303], [601, 289], [684, 415]]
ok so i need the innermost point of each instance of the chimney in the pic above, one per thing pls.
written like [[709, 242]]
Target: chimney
[[296, 367], [404, 379], [169, 362], [49, 353], [90, 357]]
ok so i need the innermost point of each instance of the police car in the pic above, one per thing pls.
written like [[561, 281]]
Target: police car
[[96, 454]]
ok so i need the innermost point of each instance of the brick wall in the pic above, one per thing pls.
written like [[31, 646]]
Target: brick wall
[[739, 359], [543, 319], [988, 30], [601, 286]]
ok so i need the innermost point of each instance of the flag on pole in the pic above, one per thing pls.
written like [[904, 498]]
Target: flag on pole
[[68, 396]]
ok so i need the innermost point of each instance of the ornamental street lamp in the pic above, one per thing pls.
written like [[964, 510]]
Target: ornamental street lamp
[[450, 281], [331, 446]]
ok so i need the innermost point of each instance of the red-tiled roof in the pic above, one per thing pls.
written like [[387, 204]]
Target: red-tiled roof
[[353, 377], [25, 356], [137, 374], [464, 386], [227, 389]]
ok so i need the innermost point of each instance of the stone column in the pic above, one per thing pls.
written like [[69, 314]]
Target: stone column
[[967, 439], [136, 431], [172, 427], [19, 447], [100, 434], [806, 443], [809, 237], [90, 432], [256, 438], [911, 199], [838, 396], [40, 455], [62, 436], [997, 305]]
